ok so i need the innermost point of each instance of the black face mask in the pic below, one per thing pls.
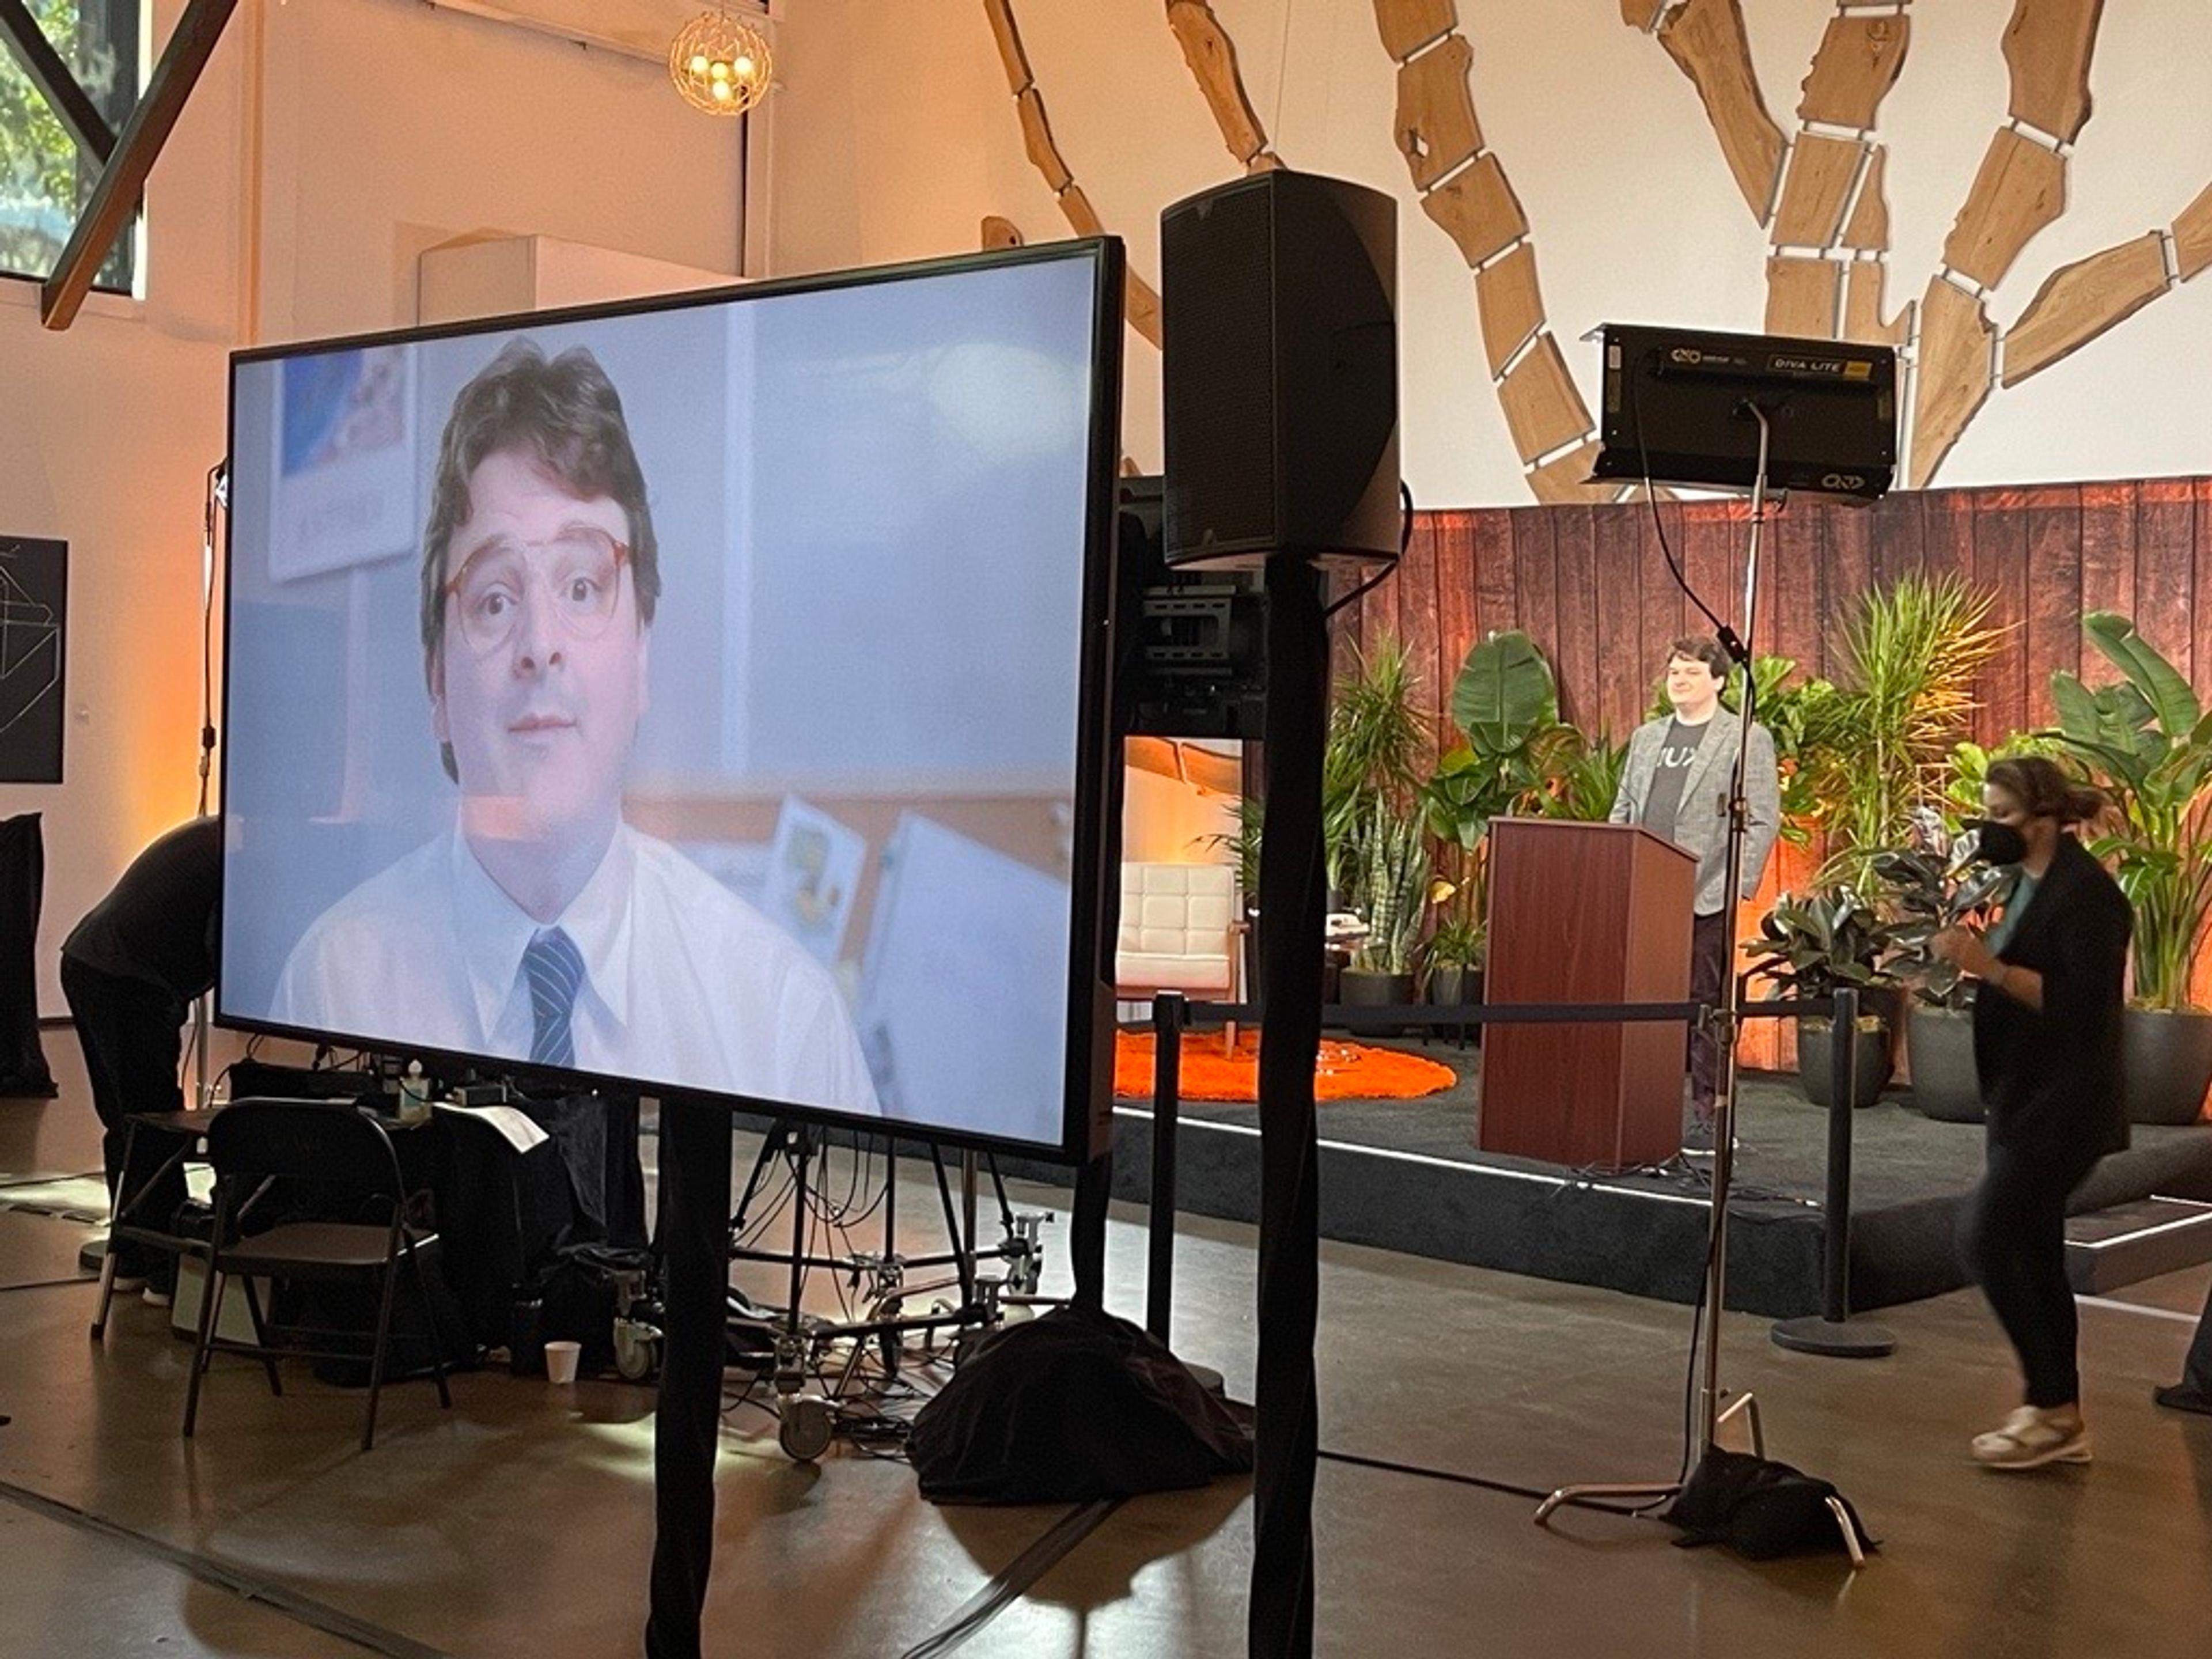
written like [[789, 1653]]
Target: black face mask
[[1998, 843]]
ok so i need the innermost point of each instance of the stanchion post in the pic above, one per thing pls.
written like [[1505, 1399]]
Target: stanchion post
[[1843, 1101], [1169, 1015], [1832, 1332]]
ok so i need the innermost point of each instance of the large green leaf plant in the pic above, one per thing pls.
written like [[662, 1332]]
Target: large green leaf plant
[[2148, 741], [1813, 946], [1513, 746]]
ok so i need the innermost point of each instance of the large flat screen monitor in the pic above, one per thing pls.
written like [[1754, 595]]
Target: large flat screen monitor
[[703, 696]]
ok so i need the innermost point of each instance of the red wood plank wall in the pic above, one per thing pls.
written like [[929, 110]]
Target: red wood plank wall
[[1590, 585]]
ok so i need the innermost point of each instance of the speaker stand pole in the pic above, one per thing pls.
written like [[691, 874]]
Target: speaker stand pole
[[1292, 898], [694, 1240], [1709, 1416]]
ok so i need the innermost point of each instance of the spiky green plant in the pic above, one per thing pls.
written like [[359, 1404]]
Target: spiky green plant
[[1879, 745], [1584, 779], [1379, 744], [1393, 877]]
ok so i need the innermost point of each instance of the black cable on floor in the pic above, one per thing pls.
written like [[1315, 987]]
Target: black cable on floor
[[1014, 1581], [247, 1586], [1423, 1472]]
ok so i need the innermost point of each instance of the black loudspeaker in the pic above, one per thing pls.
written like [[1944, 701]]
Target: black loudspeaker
[[1280, 373]]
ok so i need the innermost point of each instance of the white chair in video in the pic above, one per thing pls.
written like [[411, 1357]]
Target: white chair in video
[[1181, 930]]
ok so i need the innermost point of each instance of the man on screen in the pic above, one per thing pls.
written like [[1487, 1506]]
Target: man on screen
[[544, 927]]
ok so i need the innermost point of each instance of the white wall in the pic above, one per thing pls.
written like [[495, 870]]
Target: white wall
[[326, 145], [897, 134]]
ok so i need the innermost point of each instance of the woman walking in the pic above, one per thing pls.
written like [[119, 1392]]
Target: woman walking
[[2047, 1048]]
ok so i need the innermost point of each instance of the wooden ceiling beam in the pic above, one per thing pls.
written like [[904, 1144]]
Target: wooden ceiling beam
[[114, 198]]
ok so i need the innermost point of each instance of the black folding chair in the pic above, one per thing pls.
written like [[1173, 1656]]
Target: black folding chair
[[341, 1156]]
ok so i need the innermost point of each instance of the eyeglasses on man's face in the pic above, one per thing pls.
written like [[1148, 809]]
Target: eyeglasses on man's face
[[579, 571]]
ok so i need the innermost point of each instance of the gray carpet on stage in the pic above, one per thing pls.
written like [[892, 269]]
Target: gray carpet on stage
[[1405, 1175]]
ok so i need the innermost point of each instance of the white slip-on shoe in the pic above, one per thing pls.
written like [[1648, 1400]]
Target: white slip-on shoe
[[2032, 1437]]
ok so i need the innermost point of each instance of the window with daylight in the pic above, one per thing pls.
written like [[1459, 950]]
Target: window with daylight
[[44, 177]]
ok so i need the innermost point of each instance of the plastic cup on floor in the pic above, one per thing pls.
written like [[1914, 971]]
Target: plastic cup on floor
[[561, 1359]]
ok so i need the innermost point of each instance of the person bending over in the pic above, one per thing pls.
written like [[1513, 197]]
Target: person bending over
[[129, 971]]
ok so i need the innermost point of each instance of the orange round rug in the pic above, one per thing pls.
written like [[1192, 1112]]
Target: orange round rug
[[1345, 1071]]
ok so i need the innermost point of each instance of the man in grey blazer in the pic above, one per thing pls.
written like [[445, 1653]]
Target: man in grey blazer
[[1675, 783]]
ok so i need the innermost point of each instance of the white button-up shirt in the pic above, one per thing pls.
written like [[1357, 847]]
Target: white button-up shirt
[[686, 987]]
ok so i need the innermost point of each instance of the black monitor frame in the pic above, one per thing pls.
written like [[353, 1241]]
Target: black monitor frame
[[1086, 1113]]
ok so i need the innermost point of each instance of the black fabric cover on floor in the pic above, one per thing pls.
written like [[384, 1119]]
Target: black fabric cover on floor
[[23, 1071], [1760, 1508], [1071, 1408]]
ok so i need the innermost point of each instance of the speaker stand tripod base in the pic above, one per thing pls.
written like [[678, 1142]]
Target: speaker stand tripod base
[[1833, 1339]]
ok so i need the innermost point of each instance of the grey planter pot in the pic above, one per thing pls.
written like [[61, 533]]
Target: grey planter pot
[[1815, 1069], [1357, 988], [1456, 987], [1945, 1086], [2168, 1058]]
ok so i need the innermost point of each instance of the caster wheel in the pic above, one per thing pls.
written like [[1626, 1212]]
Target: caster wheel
[[803, 1426], [637, 1359]]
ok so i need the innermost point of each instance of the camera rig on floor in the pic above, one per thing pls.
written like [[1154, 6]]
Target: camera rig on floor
[[827, 1375]]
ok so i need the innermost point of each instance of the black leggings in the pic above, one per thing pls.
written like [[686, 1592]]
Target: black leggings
[[131, 1032], [2013, 1240]]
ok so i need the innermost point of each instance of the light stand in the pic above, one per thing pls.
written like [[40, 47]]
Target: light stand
[[807, 1398], [216, 499], [1709, 1415], [1837, 400]]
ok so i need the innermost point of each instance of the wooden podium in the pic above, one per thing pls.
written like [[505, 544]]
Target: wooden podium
[[1585, 913]]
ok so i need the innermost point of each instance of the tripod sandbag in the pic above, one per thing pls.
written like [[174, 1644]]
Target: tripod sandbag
[[1760, 1508], [1074, 1406]]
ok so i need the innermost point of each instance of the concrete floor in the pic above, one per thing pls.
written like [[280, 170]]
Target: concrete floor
[[521, 1523]]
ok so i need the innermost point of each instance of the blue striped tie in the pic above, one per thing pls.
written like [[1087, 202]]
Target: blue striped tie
[[556, 970]]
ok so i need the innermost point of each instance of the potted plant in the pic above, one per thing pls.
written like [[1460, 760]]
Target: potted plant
[[1244, 842], [1582, 778], [1811, 948], [1379, 744], [2149, 742], [1514, 747], [1878, 744], [1454, 959], [1932, 887], [1393, 876]]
